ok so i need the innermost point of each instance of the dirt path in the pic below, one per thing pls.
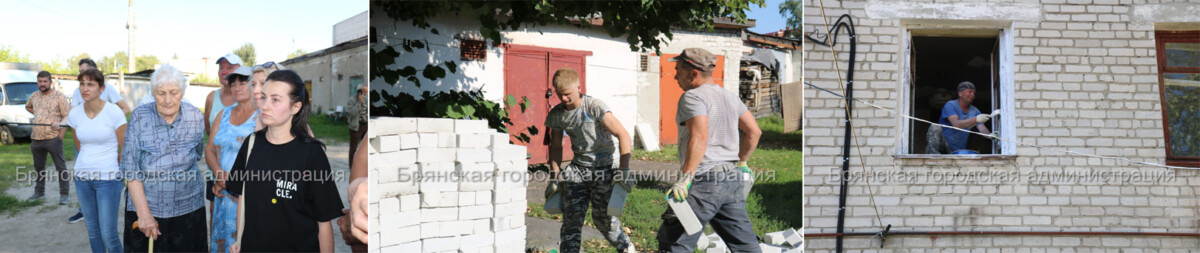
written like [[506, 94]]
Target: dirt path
[[44, 228]]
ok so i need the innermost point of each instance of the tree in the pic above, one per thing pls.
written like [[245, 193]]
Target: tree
[[792, 11], [8, 54], [298, 53], [117, 62], [246, 52], [644, 25]]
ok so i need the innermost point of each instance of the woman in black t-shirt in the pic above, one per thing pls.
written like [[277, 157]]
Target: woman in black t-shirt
[[289, 196]]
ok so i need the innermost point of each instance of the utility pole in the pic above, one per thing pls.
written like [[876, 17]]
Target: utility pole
[[129, 25]]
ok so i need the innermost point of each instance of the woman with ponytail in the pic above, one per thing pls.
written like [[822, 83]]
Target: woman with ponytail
[[282, 179]]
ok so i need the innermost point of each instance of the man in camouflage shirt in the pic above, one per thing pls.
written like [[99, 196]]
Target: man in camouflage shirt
[[588, 179]]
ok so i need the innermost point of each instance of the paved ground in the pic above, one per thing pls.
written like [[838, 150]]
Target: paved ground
[[544, 233], [44, 228]]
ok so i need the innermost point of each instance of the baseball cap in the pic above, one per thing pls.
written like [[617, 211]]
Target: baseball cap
[[697, 57], [233, 59], [241, 70]]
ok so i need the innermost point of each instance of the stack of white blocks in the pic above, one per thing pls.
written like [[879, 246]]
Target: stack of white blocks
[[787, 241], [483, 210]]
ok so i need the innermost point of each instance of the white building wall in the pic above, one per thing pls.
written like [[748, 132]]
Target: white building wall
[[1085, 80]]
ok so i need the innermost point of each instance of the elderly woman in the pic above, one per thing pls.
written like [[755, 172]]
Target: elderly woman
[[165, 141], [230, 128]]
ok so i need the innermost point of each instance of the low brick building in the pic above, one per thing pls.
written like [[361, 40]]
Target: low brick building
[[1115, 78]]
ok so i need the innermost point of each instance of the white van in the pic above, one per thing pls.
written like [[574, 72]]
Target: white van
[[17, 82]]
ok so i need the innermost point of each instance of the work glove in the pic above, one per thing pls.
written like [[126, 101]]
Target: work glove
[[744, 167], [624, 179], [982, 118], [680, 188]]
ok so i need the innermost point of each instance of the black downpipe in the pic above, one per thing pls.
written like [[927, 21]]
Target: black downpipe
[[831, 38]]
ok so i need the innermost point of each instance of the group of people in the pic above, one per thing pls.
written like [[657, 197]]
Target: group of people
[[254, 127], [712, 153]]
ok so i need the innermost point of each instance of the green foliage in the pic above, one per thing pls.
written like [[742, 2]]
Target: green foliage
[[641, 22], [8, 54], [792, 11], [246, 52], [117, 63], [452, 104], [203, 78], [298, 53]]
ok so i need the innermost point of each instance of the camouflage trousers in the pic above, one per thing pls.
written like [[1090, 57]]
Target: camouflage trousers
[[583, 186]]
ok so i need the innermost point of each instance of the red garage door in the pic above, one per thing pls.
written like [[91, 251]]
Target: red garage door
[[528, 71]]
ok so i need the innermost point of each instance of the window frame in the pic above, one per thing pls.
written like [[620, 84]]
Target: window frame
[[1005, 36], [1161, 37]]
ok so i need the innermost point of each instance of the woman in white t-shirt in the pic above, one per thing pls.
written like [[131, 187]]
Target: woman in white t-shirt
[[99, 132]]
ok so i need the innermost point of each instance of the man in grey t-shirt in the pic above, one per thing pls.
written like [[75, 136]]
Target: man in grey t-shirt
[[713, 154], [589, 178]]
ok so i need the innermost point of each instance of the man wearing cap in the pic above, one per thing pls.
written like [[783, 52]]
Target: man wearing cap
[[227, 64], [712, 156], [963, 116]]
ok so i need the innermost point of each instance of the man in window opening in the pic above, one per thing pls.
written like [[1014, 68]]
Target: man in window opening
[[962, 115]]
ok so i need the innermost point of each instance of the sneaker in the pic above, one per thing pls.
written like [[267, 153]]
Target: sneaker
[[64, 199], [75, 218], [35, 197]]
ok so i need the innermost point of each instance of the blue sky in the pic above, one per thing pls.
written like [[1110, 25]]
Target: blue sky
[[767, 18], [49, 30]]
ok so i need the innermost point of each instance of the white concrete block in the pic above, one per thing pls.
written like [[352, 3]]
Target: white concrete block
[[373, 180], [500, 139], [510, 208], [467, 198], [389, 143], [389, 206], [447, 140], [767, 248], [511, 247], [511, 235], [435, 125], [794, 238], [717, 248], [410, 141], [394, 189], [392, 126], [439, 199], [438, 214], [508, 153], [518, 194], [430, 229], [481, 225], [427, 140], [484, 249], [703, 243], [435, 154], [476, 177], [392, 160], [400, 219], [371, 132], [476, 155], [471, 126], [502, 195], [455, 228], [475, 212], [438, 177], [414, 246], [775, 238], [478, 240], [408, 202], [399, 235], [474, 141], [483, 197], [440, 244]]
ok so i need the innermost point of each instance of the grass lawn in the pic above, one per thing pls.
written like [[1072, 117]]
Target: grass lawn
[[328, 130], [16, 158], [773, 205]]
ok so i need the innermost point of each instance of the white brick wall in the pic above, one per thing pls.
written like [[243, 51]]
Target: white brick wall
[[1085, 80], [447, 212]]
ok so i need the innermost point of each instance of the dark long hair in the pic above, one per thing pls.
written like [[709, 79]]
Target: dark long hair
[[298, 94], [94, 74]]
